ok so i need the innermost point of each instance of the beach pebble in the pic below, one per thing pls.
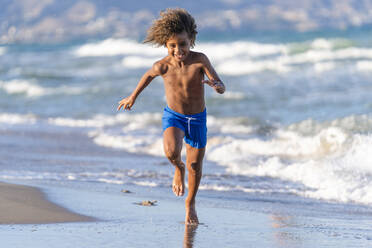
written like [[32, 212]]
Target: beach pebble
[[147, 203]]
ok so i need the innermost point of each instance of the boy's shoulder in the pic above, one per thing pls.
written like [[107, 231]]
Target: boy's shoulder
[[199, 57], [161, 66]]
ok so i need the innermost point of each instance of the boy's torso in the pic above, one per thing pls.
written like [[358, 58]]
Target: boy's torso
[[184, 89]]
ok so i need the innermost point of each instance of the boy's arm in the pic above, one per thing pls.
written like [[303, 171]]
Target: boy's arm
[[156, 70], [214, 80]]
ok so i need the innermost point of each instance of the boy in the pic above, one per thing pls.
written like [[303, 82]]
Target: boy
[[185, 115]]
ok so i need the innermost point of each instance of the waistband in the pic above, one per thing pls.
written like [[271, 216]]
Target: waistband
[[201, 115]]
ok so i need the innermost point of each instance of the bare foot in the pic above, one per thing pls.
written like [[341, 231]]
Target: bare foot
[[191, 217], [178, 185]]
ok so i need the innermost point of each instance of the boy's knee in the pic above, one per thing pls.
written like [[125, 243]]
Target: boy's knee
[[194, 167], [172, 154]]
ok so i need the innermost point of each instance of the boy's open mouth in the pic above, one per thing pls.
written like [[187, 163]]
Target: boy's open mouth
[[179, 56]]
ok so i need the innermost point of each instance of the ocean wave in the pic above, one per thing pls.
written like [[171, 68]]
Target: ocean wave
[[231, 95], [330, 159], [138, 62], [313, 56], [141, 133], [321, 67], [10, 118], [130, 121], [240, 49], [243, 57], [286, 145], [114, 47], [351, 124], [146, 183], [345, 178], [22, 87], [364, 65], [319, 44], [32, 90], [242, 67]]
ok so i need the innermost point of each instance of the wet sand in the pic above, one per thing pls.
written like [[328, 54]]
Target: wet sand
[[28, 205], [127, 224]]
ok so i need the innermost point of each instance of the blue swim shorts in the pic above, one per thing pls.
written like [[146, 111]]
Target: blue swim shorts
[[194, 126]]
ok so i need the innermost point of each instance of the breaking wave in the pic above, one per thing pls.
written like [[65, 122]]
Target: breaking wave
[[244, 57]]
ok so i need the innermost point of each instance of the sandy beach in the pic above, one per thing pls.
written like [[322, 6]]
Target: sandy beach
[[123, 223], [28, 205]]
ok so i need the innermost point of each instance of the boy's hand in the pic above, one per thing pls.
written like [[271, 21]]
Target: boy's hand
[[126, 103], [217, 85]]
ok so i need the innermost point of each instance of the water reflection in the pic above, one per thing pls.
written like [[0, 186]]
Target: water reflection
[[190, 231], [283, 231]]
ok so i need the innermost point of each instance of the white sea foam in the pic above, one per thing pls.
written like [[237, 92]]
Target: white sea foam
[[286, 145], [322, 44], [138, 62], [232, 95], [351, 124], [141, 133], [9, 118], [131, 121], [241, 67], [131, 143], [217, 187], [32, 89], [236, 125], [314, 56], [331, 164], [145, 183], [110, 181], [239, 49], [345, 178], [324, 66], [113, 47], [364, 65], [22, 87]]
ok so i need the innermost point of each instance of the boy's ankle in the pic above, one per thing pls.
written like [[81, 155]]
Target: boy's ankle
[[189, 203]]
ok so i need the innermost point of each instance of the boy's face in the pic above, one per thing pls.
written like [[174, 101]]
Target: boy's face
[[179, 46]]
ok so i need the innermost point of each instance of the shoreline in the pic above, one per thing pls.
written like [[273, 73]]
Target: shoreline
[[29, 205], [128, 224]]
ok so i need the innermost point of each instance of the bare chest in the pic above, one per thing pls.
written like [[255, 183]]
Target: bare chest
[[186, 76]]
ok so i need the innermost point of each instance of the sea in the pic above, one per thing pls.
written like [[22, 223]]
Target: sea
[[291, 134]]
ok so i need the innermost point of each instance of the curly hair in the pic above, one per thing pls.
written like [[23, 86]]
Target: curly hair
[[171, 22]]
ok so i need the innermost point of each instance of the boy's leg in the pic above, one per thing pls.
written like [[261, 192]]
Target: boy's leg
[[194, 163], [172, 141]]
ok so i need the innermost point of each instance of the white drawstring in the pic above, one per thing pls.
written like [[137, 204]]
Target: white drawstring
[[188, 122]]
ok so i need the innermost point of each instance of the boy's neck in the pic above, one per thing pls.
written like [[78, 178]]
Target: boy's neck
[[182, 63]]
